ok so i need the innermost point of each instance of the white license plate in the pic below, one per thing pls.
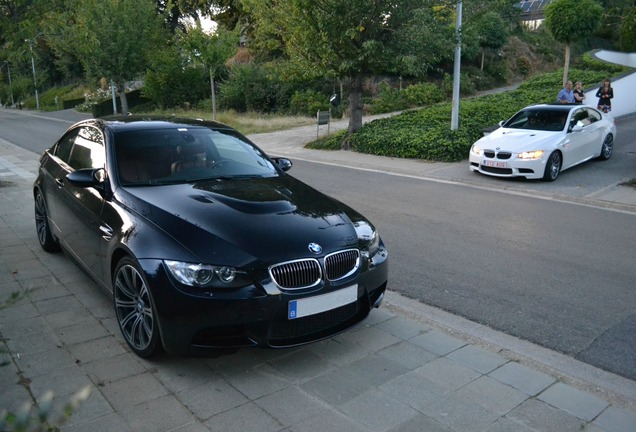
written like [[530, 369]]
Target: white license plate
[[495, 164], [321, 303]]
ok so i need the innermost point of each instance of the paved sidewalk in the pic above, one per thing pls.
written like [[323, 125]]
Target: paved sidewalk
[[408, 367]]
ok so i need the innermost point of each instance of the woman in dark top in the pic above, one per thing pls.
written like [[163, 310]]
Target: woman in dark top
[[605, 95], [579, 94]]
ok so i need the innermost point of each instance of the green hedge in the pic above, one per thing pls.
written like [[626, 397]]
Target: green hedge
[[426, 134]]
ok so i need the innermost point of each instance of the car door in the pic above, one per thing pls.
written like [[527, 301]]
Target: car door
[[596, 132], [579, 140], [81, 207]]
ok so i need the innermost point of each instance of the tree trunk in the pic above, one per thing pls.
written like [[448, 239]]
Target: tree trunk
[[213, 95], [566, 67], [483, 55], [355, 105], [122, 98]]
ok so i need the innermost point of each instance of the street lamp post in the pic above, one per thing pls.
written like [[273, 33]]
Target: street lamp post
[[10, 87]]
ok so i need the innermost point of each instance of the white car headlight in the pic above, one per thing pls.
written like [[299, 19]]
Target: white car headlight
[[477, 150], [530, 155], [205, 276]]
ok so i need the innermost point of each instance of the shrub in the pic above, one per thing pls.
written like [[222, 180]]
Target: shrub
[[308, 102]]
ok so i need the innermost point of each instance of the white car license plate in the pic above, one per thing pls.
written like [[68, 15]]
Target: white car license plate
[[495, 164], [321, 303]]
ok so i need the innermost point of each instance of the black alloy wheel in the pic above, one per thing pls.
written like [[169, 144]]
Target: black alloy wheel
[[47, 241], [607, 148], [552, 167], [135, 310]]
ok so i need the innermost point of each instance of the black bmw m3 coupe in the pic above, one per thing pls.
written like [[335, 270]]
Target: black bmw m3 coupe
[[202, 239]]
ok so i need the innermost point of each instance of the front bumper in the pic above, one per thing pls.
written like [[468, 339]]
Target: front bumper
[[530, 169], [250, 317]]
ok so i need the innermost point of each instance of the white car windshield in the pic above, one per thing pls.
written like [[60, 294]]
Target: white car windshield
[[538, 119]]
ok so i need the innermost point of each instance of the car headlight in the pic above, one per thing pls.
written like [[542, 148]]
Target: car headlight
[[206, 276], [477, 150], [530, 155], [368, 237]]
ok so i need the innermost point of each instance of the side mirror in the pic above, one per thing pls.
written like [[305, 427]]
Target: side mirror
[[577, 127], [89, 177], [283, 163]]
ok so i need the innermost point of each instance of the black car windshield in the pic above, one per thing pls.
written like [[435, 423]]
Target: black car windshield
[[186, 154], [538, 119]]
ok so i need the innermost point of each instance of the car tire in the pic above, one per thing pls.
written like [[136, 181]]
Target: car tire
[[135, 310], [607, 148], [47, 241], [552, 167]]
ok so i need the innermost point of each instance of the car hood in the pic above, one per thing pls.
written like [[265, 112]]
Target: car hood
[[518, 140], [267, 219]]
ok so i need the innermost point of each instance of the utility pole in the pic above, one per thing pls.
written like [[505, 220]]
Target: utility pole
[[35, 82], [456, 69]]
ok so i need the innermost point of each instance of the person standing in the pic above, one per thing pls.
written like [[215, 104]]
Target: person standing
[[605, 95], [566, 95], [579, 95]]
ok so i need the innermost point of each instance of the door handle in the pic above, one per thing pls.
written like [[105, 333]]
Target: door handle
[[60, 182]]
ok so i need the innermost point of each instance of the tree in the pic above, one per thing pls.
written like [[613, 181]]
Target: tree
[[570, 21], [628, 31], [213, 51], [351, 39], [491, 33], [111, 38]]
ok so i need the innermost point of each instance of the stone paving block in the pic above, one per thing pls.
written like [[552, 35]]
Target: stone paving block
[[582, 404], [193, 426], [375, 369], [132, 390], [179, 374], [337, 351], [95, 350], [64, 382], [87, 330], [403, 328], [460, 414], [29, 269], [504, 424], [156, 415], [333, 422], [107, 423], [336, 387], [95, 407], [60, 304], [377, 411], [447, 373], [438, 342], [492, 394], [33, 342], [300, 365], [378, 315], [477, 358], [370, 339], [421, 423], [45, 288], [408, 355], [292, 406], [16, 313], [259, 381], [244, 418], [540, 416], [16, 253], [211, 398], [40, 363], [14, 396], [114, 368], [522, 378], [62, 319], [615, 419], [415, 391]]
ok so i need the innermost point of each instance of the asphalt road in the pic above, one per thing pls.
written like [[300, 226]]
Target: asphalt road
[[549, 271]]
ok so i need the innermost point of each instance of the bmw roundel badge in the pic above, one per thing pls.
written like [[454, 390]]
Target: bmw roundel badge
[[315, 248]]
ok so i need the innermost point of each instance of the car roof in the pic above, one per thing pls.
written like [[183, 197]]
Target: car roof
[[552, 107], [120, 123]]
